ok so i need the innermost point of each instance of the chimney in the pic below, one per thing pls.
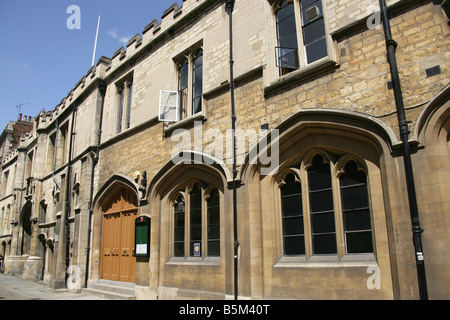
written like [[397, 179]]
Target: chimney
[[20, 116]]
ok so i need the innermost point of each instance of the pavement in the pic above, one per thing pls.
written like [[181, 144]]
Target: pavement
[[14, 288]]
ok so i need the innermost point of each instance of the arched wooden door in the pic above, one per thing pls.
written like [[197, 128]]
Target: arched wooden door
[[118, 262]]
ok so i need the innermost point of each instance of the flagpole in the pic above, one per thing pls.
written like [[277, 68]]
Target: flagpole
[[96, 38]]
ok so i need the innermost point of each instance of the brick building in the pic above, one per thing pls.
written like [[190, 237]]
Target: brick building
[[322, 208], [9, 140]]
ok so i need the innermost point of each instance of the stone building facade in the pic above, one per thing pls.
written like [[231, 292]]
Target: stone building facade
[[322, 208]]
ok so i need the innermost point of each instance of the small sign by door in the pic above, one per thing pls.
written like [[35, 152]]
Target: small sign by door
[[142, 237]]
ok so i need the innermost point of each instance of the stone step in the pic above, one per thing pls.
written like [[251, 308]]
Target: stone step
[[111, 290]]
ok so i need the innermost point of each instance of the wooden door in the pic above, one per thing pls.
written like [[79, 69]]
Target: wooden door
[[118, 262]]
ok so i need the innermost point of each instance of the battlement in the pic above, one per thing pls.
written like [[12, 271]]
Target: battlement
[[154, 32], [172, 21]]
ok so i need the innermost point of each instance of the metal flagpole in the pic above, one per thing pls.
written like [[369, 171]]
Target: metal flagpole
[[96, 38]]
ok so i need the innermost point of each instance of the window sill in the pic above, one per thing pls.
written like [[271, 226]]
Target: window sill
[[327, 261], [184, 124], [301, 75], [194, 261]]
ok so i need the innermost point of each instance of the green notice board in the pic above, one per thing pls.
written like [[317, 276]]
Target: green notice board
[[142, 237]]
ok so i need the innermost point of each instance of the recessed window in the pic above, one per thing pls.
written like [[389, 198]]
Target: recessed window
[[190, 84], [197, 233], [310, 33], [315, 231], [124, 96]]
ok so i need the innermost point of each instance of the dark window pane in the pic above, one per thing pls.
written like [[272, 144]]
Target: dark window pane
[[292, 205], [288, 45], [324, 244], [287, 38], [287, 9], [359, 242], [292, 213], [179, 249], [214, 223], [197, 106], [183, 76], [197, 83], [198, 62], [354, 197], [179, 228], [357, 220], [290, 187], [213, 231], [179, 234], [313, 31], [213, 248], [294, 245], [316, 50], [321, 201], [356, 210], [195, 217], [286, 27], [319, 176], [293, 226], [323, 222], [353, 176], [322, 207]]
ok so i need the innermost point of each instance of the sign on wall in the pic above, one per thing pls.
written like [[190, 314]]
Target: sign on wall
[[142, 237]]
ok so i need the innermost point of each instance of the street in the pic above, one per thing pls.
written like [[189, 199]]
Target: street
[[13, 288]]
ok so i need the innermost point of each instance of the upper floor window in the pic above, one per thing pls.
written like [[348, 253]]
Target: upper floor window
[[190, 84], [4, 184], [324, 213], [299, 22], [124, 95]]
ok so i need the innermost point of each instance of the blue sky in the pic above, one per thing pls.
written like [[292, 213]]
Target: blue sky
[[41, 59]]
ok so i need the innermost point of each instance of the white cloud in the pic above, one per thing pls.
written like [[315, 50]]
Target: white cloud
[[123, 39]]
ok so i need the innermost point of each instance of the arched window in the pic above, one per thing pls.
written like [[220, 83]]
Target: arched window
[[179, 220], [292, 212], [200, 229], [318, 220], [321, 207], [356, 210]]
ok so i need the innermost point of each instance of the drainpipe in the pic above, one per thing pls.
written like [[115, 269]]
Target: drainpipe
[[102, 90], [404, 132], [68, 192], [230, 7]]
